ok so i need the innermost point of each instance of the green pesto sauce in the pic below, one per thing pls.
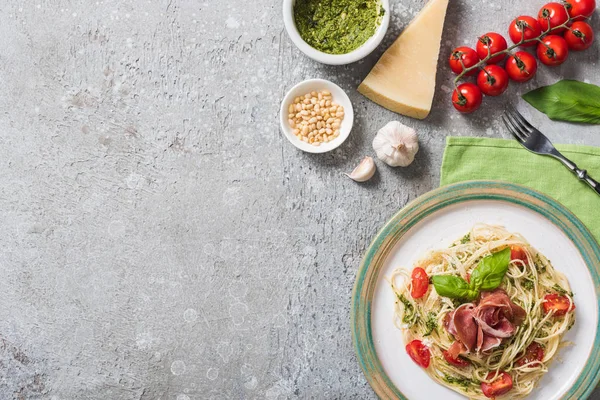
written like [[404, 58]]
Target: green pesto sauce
[[337, 26]]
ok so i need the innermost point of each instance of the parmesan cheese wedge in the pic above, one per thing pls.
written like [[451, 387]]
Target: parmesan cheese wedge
[[403, 80]]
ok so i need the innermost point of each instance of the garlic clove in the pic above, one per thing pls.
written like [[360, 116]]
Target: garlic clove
[[364, 171]]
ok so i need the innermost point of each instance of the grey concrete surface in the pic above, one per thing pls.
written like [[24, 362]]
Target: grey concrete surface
[[159, 238]]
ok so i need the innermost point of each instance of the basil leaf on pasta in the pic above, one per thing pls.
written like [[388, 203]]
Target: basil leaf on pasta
[[453, 287], [489, 273]]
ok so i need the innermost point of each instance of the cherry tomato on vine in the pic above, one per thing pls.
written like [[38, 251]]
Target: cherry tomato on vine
[[553, 15], [500, 386], [419, 353], [468, 56], [553, 50], [580, 36], [534, 352], [420, 283], [492, 80], [457, 362], [581, 9], [467, 97], [521, 66], [524, 27], [557, 303], [491, 43]]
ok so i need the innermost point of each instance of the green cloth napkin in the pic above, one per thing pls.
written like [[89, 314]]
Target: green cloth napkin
[[468, 158]]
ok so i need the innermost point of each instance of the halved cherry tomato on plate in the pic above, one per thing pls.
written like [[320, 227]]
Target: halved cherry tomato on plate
[[467, 97], [553, 15], [518, 253], [498, 387], [490, 44], [557, 303], [458, 361], [534, 352], [581, 9], [553, 50], [419, 353], [580, 36], [521, 66], [468, 56], [524, 28], [492, 80], [420, 283]]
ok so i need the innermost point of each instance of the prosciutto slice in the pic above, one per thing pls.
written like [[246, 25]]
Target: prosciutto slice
[[483, 326], [497, 315], [462, 325]]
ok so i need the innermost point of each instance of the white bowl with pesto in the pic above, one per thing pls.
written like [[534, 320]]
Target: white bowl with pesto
[[335, 59], [338, 96]]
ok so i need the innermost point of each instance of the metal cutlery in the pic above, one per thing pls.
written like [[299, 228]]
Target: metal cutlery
[[536, 142]]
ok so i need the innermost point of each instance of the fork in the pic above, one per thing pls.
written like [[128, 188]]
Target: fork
[[536, 142]]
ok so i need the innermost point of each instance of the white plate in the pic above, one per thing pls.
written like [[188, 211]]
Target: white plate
[[437, 229]]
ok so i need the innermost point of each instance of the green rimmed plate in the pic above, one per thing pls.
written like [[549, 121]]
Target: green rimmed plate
[[434, 220]]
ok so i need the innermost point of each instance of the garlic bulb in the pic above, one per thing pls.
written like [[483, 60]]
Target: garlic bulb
[[396, 144], [364, 171]]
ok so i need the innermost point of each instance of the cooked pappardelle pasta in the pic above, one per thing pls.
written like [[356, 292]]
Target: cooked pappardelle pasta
[[484, 317]]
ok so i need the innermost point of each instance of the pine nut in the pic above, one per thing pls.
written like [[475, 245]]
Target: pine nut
[[315, 118]]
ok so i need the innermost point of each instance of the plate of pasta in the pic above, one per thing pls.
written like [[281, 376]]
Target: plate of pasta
[[480, 290]]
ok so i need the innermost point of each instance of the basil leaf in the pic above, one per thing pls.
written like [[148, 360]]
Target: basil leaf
[[453, 287], [489, 273], [567, 100]]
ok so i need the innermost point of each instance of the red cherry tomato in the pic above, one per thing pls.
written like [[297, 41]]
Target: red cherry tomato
[[468, 56], [419, 353], [492, 80], [524, 27], [491, 43], [500, 386], [581, 9], [458, 361], [557, 303], [518, 253], [467, 97], [534, 352], [553, 15], [553, 50], [420, 283], [580, 36], [521, 66]]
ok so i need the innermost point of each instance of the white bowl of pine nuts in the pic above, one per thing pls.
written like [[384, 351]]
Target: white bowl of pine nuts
[[316, 116]]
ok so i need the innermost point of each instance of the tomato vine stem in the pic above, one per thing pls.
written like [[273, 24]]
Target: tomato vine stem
[[508, 51]]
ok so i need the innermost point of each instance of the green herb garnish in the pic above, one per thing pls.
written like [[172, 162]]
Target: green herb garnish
[[539, 265], [528, 285], [431, 323], [460, 381], [410, 316], [466, 238], [487, 275], [560, 290]]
